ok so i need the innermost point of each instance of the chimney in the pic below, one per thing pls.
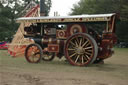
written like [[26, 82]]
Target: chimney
[[42, 8]]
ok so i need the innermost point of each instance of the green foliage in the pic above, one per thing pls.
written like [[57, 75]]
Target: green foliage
[[48, 6], [106, 6], [9, 11], [96, 7], [7, 23]]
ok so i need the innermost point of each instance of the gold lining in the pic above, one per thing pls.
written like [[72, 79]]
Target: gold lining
[[75, 26], [90, 19]]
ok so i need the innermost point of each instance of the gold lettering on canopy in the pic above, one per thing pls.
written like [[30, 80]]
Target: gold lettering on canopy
[[88, 19]]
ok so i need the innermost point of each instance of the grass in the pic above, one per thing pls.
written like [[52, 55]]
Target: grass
[[116, 66]]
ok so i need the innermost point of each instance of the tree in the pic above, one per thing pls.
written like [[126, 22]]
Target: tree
[[8, 14], [106, 6], [9, 11], [48, 6], [7, 22]]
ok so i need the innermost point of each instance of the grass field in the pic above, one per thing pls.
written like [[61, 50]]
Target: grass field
[[17, 71]]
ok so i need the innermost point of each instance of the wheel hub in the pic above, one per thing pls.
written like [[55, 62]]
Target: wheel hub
[[79, 50], [32, 53]]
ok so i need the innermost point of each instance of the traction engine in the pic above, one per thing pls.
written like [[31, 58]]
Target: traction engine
[[70, 37]]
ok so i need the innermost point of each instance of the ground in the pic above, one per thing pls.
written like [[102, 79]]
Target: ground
[[17, 71]]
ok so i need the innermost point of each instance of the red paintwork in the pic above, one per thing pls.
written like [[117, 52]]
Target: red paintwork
[[61, 34], [4, 46], [59, 44], [20, 49], [83, 28], [53, 48], [32, 11], [107, 43]]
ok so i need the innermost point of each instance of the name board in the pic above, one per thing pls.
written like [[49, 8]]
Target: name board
[[61, 20]]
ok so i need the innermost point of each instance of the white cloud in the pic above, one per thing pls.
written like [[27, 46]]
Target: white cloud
[[63, 7]]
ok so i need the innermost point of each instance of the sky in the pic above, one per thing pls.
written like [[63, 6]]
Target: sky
[[63, 7]]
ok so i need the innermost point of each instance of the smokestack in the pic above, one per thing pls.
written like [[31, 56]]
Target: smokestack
[[42, 8]]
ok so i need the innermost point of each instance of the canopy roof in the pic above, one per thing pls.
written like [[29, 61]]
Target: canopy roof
[[66, 19]]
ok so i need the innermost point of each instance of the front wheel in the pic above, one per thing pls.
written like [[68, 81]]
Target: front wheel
[[81, 49], [33, 53]]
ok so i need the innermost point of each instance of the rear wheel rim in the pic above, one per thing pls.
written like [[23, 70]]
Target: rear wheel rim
[[80, 49]]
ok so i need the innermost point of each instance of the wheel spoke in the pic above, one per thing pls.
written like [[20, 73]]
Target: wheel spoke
[[72, 43], [72, 55], [48, 56], [80, 42], [76, 43], [82, 59], [77, 40], [37, 55], [87, 57], [30, 58], [71, 49], [33, 47], [85, 43], [77, 58], [88, 53], [88, 48], [33, 58], [37, 51]]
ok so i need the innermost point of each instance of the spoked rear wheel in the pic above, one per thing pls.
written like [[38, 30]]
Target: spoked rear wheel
[[81, 49], [33, 53]]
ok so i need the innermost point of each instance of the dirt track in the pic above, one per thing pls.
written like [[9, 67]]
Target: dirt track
[[16, 77], [19, 72]]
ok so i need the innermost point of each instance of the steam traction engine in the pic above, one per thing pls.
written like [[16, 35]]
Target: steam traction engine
[[70, 37]]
